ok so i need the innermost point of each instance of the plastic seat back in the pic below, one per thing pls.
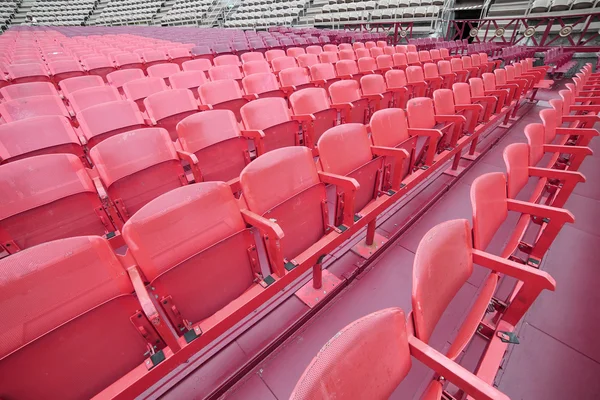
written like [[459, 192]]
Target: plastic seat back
[[360, 53], [281, 63], [139, 89], [164, 71], [330, 48], [376, 52], [256, 67], [136, 167], [435, 55], [314, 50], [284, 184], [489, 81], [295, 51], [367, 359], [153, 57], [488, 200], [346, 150], [223, 94], [536, 137], [307, 60], [22, 90], [167, 108], [550, 120], [48, 197], [328, 57], [385, 62], [367, 64], [443, 100], [129, 60], [445, 53], [430, 70], [348, 91], [85, 98], [38, 135], [373, 85], [477, 88], [70, 85], [71, 293], [29, 72], [346, 68], [272, 116], [347, 55], [121, 77], [516, 159], [420, 113], [389, 50], [457, 64], [191, 80], [414, 74], [270, 55], [64, 69], [206, 220], [395, 79], [224, 72], [400, 60], [252, 56], [214, 137], [462, 93], [322, 71], [262, 84], [200, 64], [95, 126], [297, 77], [358, 45], [34, 106], [227, 59]]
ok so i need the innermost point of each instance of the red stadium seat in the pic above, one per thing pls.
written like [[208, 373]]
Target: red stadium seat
[[167, 108], [347, 69], [347, 55], [323, 75], [121, 77], [154, 57], [38, 135], [269, 122], [395, 81], [316, 50], [225, 72], [179, 55], [262, 85], [376, 52], [222, 95], [22, 90], [417, 87], [356, 107], [213, 145], [71, 293], [313, 107], [188, 80], [292, 79], [490, 209], [137, 90], [295, 51], [328, 57], [363, 52], [136, 167], [252, 56], [64, 69], [373, 87], [164, 71], [457, 67], [95, 126], [385, 63], [307, 60], [32, 72], [128, 61], [34, 106], [216, 244], [281, 63], [370, 357], [200, 64], [367, 65], [227, 59], [69, 85], [48, 197], [272, 54], [462, 97], [84, 98], [256, 67]]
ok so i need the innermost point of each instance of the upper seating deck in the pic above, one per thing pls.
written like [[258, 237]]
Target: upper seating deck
[[291, 179]]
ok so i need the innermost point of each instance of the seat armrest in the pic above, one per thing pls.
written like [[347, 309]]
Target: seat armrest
[[349, 186], [399, 155], [272, 234]]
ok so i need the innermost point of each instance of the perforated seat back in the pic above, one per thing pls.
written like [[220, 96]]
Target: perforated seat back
[[488, 200], [284, 184], [36, 136], [84, 98], [442, 265], [367, 359], [76, 335], [21, 90], [95, 126], [187, 240], [214, 136], [48, 197], [34, 106]]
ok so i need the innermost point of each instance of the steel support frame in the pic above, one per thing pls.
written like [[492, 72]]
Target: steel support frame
[[577, 40], [402, 30], [238, 312]]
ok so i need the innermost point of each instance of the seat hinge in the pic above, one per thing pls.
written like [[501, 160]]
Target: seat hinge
[[508, 337], [145, 328], [174, 315]]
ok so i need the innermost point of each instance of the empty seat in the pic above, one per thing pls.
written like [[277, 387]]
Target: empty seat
[[215, 139], [84, 98], [256, 67], [179, 55], [38, 135], [272, 54], [137, 90], [270, 122], [225, 72], [21, 90], [307, 60], [371, 356], [200, 64], [153, 57], [69, 85], [95, 126], [347, 93], [313, 107], [64, 69], [252, 56], [31, 72], [222, 95], [121, 77], [167, 108], [417, 86], [328, 57], [128, 61], [314, 50], [281, 63], [227, 59], [137, 166], [490, 209], [34, 106], [71, 292], [323, 74], [188, 80], [207, 219], [373, 87], [262, 85], [296, 78], [163, 71], [48, 197]]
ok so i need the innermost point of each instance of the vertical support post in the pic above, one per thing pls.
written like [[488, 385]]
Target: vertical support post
[[395, 33], [370, 233], [317, 276]]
